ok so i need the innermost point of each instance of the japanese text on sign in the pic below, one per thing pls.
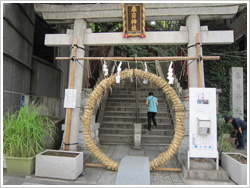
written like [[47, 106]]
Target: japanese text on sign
[[134, 19], [132, 15]]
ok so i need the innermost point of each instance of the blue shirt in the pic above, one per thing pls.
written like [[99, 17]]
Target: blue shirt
[[239, 123], [152, 103]]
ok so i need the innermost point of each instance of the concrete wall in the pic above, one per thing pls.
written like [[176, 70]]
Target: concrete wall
[[24, 73], [46, 79], [240, 31], [18, 33], [239, 26], [53, 105]]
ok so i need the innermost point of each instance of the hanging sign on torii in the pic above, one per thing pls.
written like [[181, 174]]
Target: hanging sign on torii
[[133, 19]]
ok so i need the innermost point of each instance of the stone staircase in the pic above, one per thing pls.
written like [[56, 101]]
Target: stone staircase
[[117, 125]]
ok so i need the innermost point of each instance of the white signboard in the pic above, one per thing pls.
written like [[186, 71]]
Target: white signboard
[[202, 124], [70, 98]]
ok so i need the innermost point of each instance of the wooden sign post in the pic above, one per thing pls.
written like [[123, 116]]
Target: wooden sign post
[[71, 86], [199, 67]]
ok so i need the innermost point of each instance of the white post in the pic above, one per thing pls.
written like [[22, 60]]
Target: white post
[[79, 28], [193, 25]]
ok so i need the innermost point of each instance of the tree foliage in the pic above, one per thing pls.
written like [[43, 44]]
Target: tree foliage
[[217, 72]]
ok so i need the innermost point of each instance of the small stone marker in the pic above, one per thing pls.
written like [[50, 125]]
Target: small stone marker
[[133, 170], [137, 136], [236, 103]]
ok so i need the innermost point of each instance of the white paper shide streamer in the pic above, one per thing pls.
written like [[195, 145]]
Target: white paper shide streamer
[[105, 69], [170, 74], [118, 73], [145, 81]]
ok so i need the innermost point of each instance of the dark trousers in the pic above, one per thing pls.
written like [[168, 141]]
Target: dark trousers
[[151, 115], [243, 139]]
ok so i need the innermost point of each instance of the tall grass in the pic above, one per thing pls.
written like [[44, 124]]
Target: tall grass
[[25, 132]]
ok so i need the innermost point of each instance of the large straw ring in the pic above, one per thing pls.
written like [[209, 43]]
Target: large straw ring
[[162, 158]]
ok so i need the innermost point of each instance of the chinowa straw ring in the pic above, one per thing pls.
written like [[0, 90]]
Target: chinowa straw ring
[[162, 158]]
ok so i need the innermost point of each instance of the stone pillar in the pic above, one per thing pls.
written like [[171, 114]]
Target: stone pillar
[[137, 136], [79, 28], [236, 103], [193, 25], [86, 68], [64, 67]]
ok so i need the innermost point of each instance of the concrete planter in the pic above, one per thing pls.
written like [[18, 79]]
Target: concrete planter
[[4, 162], [236, 170], [20, 165], [59, 164]]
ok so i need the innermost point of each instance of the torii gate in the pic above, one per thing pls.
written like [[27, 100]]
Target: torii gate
[[81, 14]]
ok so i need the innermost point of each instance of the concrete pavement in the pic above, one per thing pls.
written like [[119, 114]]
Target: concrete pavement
[[101, 176]]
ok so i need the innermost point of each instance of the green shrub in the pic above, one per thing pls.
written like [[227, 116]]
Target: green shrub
[[25, 132], [223, 128], [224, 145]]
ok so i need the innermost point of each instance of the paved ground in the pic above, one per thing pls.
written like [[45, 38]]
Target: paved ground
[[100, 176]]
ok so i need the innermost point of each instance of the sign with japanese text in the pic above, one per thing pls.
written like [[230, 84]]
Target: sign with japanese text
[[133, 19], [70, 98], [202, 124], [236, 95]]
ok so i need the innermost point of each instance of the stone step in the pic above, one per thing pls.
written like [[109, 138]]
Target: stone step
[[205, 171], [142, 113], [140, 96], [154, 131], [121, 95], [140, 105], [132, 91], [122, 92], [131, 86], [130, 138], [131, 108], [117, 125], [129, 100], [143, 144], [130, 125], [133, 119], [124, 89]]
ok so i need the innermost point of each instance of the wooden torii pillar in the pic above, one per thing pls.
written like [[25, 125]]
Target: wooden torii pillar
[[199, 66], [71, 86]]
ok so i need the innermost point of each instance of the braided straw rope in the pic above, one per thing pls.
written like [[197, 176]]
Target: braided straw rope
[[162, 158]]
